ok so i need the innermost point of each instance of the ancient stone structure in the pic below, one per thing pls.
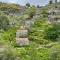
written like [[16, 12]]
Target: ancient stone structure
[[54, 14], [22, 36]]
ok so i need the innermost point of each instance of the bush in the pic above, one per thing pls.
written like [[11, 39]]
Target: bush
[[53, 32], [4, 22], [10, 35], [11, 8], [55, 53], [28, 4], [31, 11], [44, 13], [8, 53], [37, 32]]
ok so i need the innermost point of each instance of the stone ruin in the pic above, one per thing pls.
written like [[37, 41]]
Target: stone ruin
[[54, 14], [22, 36]]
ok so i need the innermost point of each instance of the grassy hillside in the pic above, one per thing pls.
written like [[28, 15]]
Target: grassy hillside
[[44, 38], [9, 7]]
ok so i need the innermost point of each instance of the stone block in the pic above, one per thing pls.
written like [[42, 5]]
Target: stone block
[[22, 41]]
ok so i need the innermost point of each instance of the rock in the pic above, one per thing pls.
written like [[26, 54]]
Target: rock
[[22, 41]]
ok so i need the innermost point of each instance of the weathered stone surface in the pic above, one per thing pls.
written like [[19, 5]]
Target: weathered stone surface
[[54, 15], [21, 33], [22, 41]]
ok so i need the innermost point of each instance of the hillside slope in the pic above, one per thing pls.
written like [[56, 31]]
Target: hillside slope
[[44, 38]]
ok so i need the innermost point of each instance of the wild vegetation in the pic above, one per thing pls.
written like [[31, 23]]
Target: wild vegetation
[[44, 38], [10, 8]]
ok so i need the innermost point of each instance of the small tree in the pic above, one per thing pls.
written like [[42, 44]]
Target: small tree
[[28, 4]]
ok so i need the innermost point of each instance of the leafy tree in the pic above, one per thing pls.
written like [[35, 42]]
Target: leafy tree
[[28, 4]]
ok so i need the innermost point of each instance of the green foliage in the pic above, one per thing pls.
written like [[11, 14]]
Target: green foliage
[[55, 53], [36, 53], [9, 7], [4, 22], [8, 54], [31, 11], [36, 33], [44, 12], [41, 35], [9, 36], [53, 32], [28, 4], [12, 34]]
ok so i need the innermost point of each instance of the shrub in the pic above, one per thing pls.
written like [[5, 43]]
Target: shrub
[[31, 11], [8, 53], [4, 22], [55, 53], [36, 32], [12, 8], [53, 32], [44, 13], [28, 4]]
